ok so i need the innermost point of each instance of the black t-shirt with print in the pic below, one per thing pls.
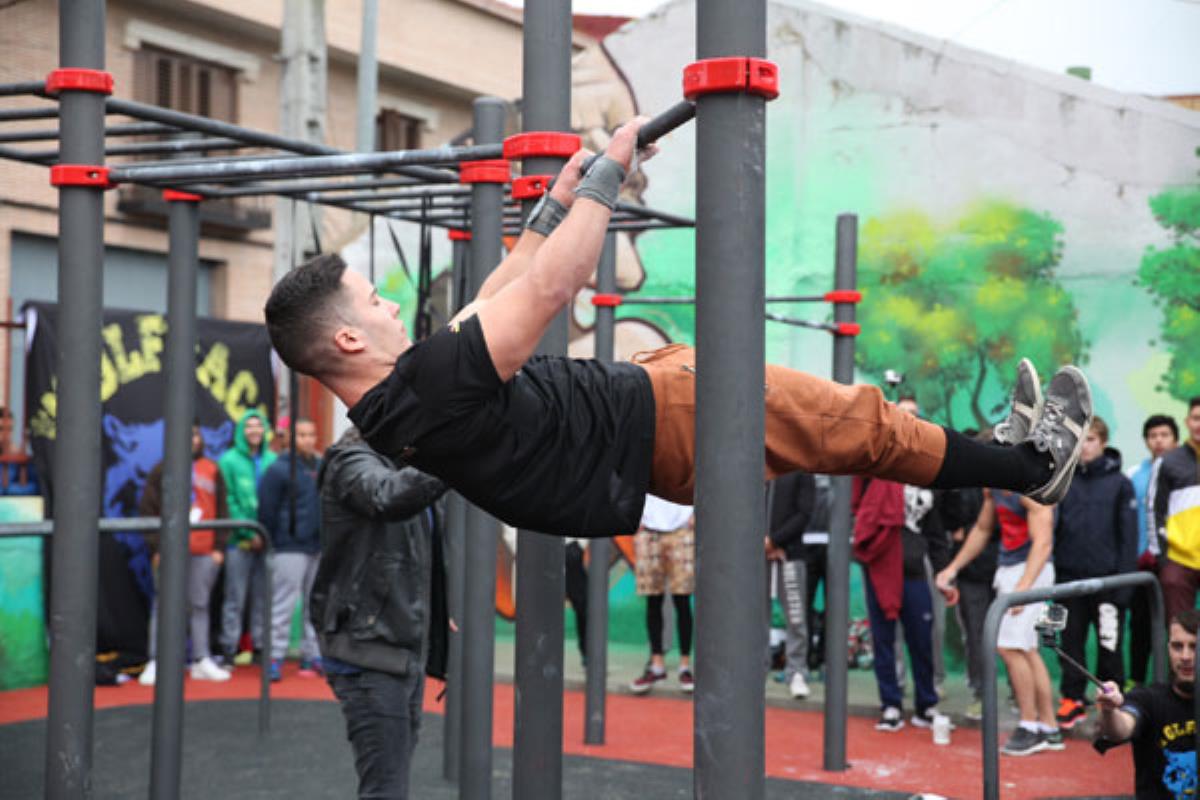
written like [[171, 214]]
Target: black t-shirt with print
[[564, 447], [1164, 742]]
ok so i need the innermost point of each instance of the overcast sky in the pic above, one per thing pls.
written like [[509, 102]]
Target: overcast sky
[[1146, 46]]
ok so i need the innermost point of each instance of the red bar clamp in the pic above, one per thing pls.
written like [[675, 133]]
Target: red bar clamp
[[528, 187], [80, 175], [734, 74], [606, 300], [459, 235], [491, 171], [847, 328], [176, 196], [843, 296], [79, 80], [543, 144]]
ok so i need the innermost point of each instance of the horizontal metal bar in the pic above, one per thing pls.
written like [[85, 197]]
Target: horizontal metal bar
[[219, 171], [45, 527], [218, 128], [16, 154], [647, 212], [51, 134], [16, 114], [317, 186], [24, 87], [415, 193], [156, 148]]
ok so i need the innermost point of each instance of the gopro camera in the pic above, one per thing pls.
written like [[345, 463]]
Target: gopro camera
[[1051, 622], [893, 378]]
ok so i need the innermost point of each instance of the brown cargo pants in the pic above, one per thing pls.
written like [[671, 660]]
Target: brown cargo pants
[[812, 425]]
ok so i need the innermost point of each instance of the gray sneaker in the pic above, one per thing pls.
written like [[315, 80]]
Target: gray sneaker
[[1026, 408], [1053, 740], [1023, 743], [1066, 416]]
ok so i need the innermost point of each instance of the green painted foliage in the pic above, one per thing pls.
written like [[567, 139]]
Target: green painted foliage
[[1172, 275], [954, 307]]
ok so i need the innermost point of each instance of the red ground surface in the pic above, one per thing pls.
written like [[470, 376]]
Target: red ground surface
[[658, 730]]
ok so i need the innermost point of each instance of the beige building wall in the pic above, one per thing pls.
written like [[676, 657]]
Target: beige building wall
[[435, 56]]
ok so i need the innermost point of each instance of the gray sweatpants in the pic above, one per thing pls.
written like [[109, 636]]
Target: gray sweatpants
[[793, 594], [243, 577], [292, 577], [202, 574]]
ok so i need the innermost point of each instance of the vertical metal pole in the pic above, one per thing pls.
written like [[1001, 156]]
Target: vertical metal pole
[[368, 78], [991, 710], [837, 555], [541, 576], [730, 422], [479, 604], [600, 550], [167, 741], [455, 543], [455, 552], [76, 500]]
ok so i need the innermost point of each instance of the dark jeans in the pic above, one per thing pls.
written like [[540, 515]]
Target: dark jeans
[[974, 598], [1141, 631], [916, 615], [1083, 613], [383, 717]]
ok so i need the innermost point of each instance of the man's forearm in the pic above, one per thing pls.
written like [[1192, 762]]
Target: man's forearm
[[513, 266], [1116, 725], [1039, 554], [976, 540]]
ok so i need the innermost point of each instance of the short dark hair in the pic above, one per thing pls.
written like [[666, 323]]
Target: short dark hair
[[1158, 421], [1100, 428], [300, 307], [1195, 401], [1188, 619]]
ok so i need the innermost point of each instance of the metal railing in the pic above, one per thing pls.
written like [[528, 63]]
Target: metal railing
[[146, 524], [991, 631]]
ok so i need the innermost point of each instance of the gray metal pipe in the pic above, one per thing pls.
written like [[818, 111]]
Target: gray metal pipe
[[220, 171], [541, 584], [24, 87], [214, 127], [368, 78], [51, 134], [15, 114], [76, 478], [837, 555], [479, 604], [600, 550], [314, 187], [150, 148], [730, 417], [1063, 591], [166, 747]]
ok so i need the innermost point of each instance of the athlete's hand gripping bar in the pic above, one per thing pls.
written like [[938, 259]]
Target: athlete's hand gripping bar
[[657, 127]]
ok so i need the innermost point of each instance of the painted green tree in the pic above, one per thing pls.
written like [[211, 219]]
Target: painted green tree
[[954, 307], [1172, 274]]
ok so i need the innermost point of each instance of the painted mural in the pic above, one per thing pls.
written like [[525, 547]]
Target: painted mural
[[1003, 212]]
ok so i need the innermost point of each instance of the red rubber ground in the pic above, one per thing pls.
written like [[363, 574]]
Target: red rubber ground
[[658, 730]]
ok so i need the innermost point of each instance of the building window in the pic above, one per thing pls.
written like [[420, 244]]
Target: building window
[[184, 83], [396, 131]]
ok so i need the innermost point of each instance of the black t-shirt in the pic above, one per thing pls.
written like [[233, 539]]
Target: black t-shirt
[[564, 447], [1164, 742]]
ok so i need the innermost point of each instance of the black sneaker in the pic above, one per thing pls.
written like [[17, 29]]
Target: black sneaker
[[1027, 403], [924, 719], [1066, 416], [645, 682], [1023, 743], [1053, 740], [1070, 713], [890, 720]]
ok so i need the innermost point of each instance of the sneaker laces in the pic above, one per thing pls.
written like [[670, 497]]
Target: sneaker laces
[[1046, 433]]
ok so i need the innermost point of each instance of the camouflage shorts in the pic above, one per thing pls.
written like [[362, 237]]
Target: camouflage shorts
[[666, 562]]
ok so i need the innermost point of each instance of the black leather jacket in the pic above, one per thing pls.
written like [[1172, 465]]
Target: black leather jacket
[[379, 593]]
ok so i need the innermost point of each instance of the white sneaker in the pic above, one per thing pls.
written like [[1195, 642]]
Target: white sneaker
[[207, 670], [148, 674], [798, 687]]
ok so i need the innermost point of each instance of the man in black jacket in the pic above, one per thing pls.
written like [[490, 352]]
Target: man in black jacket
[[1095, 535], [378, 605], [790, 501]]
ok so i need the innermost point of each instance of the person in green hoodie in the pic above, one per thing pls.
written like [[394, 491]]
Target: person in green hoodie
[[242, 467]]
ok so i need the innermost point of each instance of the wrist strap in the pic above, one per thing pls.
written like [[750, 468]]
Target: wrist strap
[[602, 182], [546, 215]]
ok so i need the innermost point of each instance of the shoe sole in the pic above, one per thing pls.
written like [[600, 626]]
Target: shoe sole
[[889, 728], [1057, 487], [1067, 725], [1000, 435]]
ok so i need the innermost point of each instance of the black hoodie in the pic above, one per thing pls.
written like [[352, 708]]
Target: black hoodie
[[1096, 530]]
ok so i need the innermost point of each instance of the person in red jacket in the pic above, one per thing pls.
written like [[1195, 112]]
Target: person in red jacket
[[207, 548]]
